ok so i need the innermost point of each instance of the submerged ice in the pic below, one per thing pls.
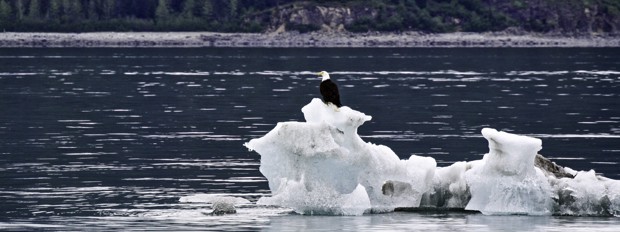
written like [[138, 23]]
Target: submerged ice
[[322, 166]]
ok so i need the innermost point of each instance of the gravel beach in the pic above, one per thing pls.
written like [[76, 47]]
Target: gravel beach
[[294, 39]]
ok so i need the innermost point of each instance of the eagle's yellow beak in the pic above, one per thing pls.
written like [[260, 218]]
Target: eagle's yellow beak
[[320, 73]]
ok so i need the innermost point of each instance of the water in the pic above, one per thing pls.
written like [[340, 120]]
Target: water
[[112, 138]]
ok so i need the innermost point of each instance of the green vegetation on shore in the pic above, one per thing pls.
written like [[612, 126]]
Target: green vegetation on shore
[[563, 16]]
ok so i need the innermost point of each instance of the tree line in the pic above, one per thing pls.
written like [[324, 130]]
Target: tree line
[[129, 15], [260, 15]]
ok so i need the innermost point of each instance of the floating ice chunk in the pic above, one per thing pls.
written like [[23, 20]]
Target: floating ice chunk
[[220, 204], [509, 182], [322, 165], [588, 195], [223, 207], [506, 182]]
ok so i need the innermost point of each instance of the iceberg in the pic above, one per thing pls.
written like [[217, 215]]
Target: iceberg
[[506, 180], [322, 166]]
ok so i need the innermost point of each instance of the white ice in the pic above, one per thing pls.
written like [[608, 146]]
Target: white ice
[[322, 166], [220, 204], [506, 181]]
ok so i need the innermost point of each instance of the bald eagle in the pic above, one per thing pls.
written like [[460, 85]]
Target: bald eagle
[[329, 90]]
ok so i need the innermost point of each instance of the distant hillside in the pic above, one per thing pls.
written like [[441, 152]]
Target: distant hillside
[[574, 17]]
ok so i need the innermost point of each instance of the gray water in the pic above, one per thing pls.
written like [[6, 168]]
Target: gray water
[[110, 139]]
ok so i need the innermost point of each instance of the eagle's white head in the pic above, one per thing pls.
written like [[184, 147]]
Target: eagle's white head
[[324, 75]]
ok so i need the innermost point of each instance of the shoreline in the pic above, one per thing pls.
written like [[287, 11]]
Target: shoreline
[[297, 40]]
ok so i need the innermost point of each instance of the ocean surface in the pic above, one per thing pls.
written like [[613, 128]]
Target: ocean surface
[[111, 139]]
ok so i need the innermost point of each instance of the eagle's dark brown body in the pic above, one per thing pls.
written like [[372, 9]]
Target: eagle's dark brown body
[[329, 91]]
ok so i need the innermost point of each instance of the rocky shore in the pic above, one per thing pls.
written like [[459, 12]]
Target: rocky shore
[[295, 39]]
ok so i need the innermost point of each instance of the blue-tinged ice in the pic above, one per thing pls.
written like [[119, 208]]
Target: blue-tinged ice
[[322, 166]]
